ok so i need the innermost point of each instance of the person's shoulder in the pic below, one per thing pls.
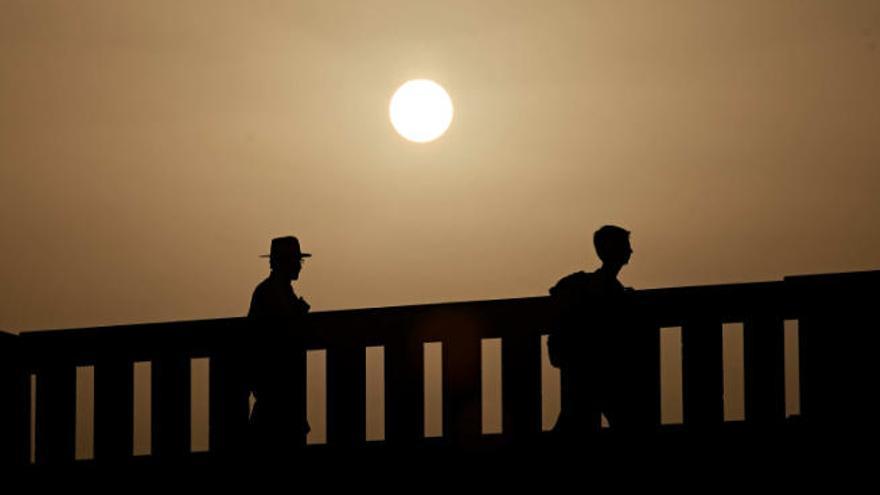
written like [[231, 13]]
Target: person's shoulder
[[263, 293], [580, 277], [573, 281], [263, 286]]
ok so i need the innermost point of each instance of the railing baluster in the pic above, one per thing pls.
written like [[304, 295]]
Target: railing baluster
[[649, 369], [521, 384], [114, 407], [228, 410], [171, 406], [404, 385], [462, 385], [346, 394], [764, 360], [56, 411], [702, 373]]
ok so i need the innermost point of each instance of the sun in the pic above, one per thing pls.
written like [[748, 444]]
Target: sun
[[420, 110]]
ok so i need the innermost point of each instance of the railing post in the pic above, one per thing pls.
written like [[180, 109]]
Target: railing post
[[837, 336], [15, 393], [810, 336], [702, 373]]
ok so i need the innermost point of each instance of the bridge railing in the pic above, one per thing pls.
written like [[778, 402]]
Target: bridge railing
[[832, 311]]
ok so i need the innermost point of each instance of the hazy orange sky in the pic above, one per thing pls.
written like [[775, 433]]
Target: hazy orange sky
[[150, 150]]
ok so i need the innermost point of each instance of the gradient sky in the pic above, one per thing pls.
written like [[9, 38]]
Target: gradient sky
[[150, 150]]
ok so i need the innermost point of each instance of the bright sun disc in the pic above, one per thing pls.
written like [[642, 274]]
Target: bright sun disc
[[420, 110]]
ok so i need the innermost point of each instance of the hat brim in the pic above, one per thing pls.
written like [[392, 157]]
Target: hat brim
[[301, 255]]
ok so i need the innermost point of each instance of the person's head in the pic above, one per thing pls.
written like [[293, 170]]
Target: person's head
[[286, 257], [612, 245]]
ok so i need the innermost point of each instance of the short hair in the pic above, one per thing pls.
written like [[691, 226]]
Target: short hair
[[607, 238]]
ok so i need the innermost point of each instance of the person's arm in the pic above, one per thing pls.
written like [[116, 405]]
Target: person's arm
[[559, 322], [249, 350]]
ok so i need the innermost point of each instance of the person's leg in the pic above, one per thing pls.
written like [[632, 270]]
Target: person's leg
[[585, 406], [630, 409]]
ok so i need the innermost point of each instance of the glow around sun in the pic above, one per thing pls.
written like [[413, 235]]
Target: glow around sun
[[420, 110]]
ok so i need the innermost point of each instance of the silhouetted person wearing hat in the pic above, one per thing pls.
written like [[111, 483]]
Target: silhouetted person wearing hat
[[599, 344], [276, 364]]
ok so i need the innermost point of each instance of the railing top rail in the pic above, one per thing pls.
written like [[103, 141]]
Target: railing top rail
[[668, 306]]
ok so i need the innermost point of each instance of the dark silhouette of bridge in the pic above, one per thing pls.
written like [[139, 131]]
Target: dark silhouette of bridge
[[836, 318]]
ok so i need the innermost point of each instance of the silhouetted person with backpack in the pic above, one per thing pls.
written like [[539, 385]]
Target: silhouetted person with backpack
[[276, 361], [600, 344]]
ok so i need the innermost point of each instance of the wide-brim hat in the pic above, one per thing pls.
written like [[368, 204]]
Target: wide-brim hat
[[285, 247]]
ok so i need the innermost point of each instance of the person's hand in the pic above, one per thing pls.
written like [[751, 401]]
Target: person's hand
[[304, 304]]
